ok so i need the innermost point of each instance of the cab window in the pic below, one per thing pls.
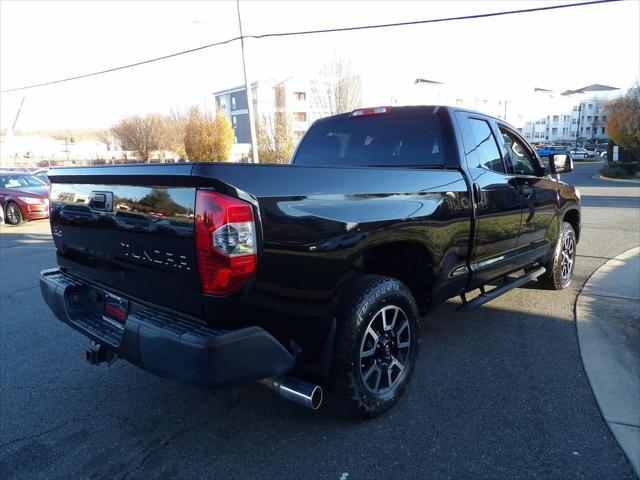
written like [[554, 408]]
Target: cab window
[[521, 160], [485, 146]]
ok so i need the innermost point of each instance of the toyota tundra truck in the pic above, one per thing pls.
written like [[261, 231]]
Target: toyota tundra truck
[[310, 277]]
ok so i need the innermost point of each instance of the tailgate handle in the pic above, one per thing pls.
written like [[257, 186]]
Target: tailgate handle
[[102, 201]]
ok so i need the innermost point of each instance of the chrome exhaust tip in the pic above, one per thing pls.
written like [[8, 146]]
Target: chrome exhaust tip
[[303, 393]]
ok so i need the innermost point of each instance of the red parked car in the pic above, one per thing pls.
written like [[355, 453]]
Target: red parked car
[[23, 197]]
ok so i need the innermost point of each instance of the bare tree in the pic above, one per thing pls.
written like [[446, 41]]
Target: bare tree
[[274, 133], [174, 131], [337, 89], [105, 137], [141, 135]]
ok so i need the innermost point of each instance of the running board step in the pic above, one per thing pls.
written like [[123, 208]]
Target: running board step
[[485, 297]]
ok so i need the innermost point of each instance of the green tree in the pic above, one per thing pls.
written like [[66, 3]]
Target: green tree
[[160, 200]]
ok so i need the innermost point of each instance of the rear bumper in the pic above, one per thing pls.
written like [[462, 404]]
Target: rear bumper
[[167, 345]]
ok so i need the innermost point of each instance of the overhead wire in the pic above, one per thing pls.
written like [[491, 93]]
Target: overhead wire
[[308, 32]]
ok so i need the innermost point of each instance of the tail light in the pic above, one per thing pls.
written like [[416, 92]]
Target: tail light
[[225, 242]]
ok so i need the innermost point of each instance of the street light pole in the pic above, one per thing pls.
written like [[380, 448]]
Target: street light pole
[[247, 86], [578, 128]]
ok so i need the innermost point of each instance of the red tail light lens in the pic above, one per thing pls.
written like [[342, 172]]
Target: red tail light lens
[[225, 242]]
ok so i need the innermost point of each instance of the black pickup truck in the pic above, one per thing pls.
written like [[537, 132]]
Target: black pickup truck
[[312, 275]]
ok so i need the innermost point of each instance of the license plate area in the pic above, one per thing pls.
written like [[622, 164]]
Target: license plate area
[[115, 309]]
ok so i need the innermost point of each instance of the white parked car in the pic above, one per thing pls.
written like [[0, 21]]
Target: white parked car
[[579, 154]]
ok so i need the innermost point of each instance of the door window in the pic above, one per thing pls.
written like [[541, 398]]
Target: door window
[[521, 159], [486, 146]]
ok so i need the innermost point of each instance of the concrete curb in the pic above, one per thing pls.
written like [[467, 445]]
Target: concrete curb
[[622, 180], [608, 324]]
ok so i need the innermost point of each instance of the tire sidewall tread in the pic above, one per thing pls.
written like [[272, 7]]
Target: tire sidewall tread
[[552, 279], [360, 301]]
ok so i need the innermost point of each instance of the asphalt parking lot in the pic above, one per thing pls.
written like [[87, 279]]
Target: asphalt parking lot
[[499, 392]]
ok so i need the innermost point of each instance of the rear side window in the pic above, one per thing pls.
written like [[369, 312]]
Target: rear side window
[[380, 140], [486, 146]]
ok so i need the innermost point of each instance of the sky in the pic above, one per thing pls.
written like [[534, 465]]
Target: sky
[[46, 40]]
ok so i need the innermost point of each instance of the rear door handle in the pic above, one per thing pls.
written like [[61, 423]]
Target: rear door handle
[[477, 193]]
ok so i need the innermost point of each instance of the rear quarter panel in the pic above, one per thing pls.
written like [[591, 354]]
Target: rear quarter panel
[[317, 221]]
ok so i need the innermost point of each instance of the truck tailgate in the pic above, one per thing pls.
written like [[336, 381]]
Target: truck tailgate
[[130, 232]]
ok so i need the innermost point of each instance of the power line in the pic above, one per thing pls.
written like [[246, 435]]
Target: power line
[[435, 20], [310, 32]]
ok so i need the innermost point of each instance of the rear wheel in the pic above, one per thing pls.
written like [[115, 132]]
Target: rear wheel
[[13, 215], [377, 343], [560, 266]]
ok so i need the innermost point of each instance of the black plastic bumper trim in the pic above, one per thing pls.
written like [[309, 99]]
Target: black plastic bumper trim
[[167, 345]]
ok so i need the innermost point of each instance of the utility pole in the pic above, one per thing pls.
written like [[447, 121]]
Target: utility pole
[[13, 127], [247, 85]]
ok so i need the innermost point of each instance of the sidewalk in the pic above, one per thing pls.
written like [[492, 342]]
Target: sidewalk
[[608, 322]]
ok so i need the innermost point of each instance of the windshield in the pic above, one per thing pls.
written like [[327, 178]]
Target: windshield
[[17, 181], [398, 138]]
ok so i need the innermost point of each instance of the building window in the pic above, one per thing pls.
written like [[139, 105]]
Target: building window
[[300, 116], [590, 106], [604, 118], [233, 103], [234, 120], [300, 95], [595, 119], [555, 118], [588, 130], [603, 130]]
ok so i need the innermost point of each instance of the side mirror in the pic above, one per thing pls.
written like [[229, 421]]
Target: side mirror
[[560, 163]]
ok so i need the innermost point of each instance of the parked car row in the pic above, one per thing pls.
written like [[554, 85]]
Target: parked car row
[[579, 153]]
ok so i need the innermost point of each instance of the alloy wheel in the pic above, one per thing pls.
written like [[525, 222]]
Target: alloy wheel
[[13, 214], [567, 258], [384, 350]]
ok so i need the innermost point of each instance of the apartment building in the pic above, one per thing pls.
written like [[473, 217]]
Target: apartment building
[[291, 96], [564, 126]]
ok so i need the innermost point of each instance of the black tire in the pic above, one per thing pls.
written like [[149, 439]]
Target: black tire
[[560, 267], [12, 214], [364, 304]]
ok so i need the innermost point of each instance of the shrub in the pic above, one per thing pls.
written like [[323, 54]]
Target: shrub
[[619, 170]]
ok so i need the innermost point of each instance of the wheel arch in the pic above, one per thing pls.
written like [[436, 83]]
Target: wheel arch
[[406, 260], [572, 216]]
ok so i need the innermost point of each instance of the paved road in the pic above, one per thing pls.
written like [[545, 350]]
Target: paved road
[[499, 393]]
